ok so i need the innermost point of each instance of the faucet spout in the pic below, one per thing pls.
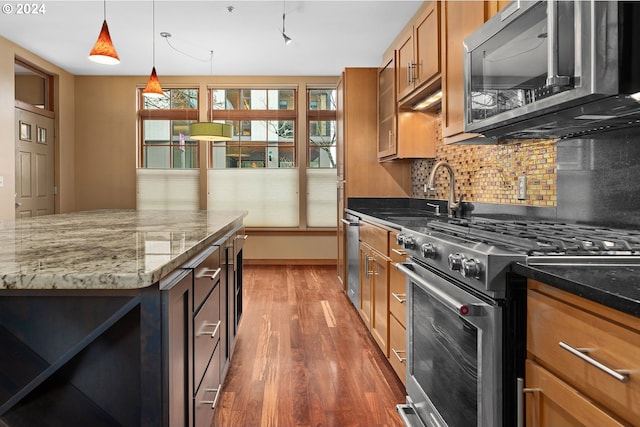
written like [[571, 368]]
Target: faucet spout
[[452, 205]]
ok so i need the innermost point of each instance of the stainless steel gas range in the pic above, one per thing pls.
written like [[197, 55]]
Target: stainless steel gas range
[[466, 312]]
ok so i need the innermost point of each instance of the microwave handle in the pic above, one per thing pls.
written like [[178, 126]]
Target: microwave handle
[[553, 79]]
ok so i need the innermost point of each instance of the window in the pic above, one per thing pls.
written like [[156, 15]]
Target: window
[[321, 169], [264, 128], [164, 124], [321, 124]]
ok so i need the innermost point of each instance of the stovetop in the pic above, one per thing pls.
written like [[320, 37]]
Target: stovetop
[[544, 238], [479, 251]]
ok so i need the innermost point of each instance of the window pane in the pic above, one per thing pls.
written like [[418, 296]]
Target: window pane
[[256, 144], [322, 144], [322, 99], [153, 103], [253, 99], [166, 144], [184, 99]]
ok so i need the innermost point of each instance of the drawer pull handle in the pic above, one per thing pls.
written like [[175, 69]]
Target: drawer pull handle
[[207, 325], [399, 252], [215, 399], [213, 274], [620, 375], [401, 298], [242, 237], [397, 354]]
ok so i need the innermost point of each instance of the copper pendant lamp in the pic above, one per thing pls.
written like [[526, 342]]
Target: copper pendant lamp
[[103, 51], [153, 89]]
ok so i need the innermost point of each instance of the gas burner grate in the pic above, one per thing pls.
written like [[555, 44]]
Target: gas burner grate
[[545, 237]]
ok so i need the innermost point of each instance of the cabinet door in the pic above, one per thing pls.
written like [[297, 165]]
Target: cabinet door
[[380, 321], [459, 20], [427, 45], [552, 403], [178, 307], [406, 65], [387, 109]]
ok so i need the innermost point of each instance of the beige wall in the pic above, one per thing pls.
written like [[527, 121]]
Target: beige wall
[[64, 150]]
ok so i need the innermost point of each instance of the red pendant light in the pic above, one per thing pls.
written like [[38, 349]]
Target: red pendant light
[[103, 51]]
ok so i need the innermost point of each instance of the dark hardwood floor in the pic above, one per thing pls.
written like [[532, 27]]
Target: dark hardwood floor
[[303, 357]]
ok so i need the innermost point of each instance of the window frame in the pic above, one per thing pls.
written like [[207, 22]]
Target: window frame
[[191, 114], [239, 115]]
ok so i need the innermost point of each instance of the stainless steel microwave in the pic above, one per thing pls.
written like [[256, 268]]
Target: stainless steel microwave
[[554, 69]]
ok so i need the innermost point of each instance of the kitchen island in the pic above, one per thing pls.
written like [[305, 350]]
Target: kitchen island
[[117, 317]]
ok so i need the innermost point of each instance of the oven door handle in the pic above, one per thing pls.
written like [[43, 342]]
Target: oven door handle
[[452, 303]]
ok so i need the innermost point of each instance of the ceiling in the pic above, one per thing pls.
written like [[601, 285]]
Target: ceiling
[[327, 35]]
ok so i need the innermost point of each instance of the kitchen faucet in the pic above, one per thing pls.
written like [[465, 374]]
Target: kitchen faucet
[[452, 205]]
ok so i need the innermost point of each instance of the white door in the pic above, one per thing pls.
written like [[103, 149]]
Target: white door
[[34, 164]]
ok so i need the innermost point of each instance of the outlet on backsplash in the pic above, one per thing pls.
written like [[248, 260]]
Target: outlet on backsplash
[[522, 188]]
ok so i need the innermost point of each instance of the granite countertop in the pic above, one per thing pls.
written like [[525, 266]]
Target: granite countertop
[[105, 249], [613, 286]]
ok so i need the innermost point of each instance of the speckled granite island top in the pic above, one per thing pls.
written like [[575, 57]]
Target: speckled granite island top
[[105, 249]]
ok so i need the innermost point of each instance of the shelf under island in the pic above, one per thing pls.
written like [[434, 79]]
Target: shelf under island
[[118, 317]]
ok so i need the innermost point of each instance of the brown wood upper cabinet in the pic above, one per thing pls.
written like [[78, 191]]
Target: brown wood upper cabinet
[[419, 52], [401, 134]]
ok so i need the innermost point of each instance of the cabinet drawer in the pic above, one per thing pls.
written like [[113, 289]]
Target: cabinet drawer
[[206, 329], [579, 346], [398, 348], [375, 237], [206, 275], [207, 396], [551, 402]]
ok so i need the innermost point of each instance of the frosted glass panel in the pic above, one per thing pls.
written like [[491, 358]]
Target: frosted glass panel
[[177, 189], [322, 199], [270, 196]]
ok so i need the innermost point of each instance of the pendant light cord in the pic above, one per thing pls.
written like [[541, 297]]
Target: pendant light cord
[[153, 28]]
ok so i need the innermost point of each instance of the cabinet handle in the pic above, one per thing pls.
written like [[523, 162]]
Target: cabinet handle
[[215, 399], [619, 374], [374, 270], [207, 325], [397, 354], [520, 403], [213, 273], [390, 139], [409, 77], [242, 237], [399, 252], [401, 298]]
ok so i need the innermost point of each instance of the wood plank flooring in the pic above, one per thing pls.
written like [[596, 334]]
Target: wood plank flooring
[[303, 357]]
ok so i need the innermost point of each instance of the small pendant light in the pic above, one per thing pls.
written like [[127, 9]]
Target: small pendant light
[[153, 89], [103, 51]]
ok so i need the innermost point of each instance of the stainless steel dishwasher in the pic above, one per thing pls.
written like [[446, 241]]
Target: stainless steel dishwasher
[[352, 226]]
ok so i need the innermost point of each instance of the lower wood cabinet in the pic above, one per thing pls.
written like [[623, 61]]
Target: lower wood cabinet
[[582, 362], [374, 282]]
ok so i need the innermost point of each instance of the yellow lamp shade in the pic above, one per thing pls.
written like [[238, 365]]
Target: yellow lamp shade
[[103, 51], [153, 88], [209, 131]]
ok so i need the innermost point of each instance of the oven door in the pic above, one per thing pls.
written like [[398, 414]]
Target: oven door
[[454, 354]]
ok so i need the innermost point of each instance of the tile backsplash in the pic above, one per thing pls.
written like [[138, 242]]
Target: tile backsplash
[[489, 173]]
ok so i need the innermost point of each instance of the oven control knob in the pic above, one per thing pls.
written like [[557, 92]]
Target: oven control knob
[[409, 242], [400, 239], [471, 268], [455, 261], [428, 250]]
